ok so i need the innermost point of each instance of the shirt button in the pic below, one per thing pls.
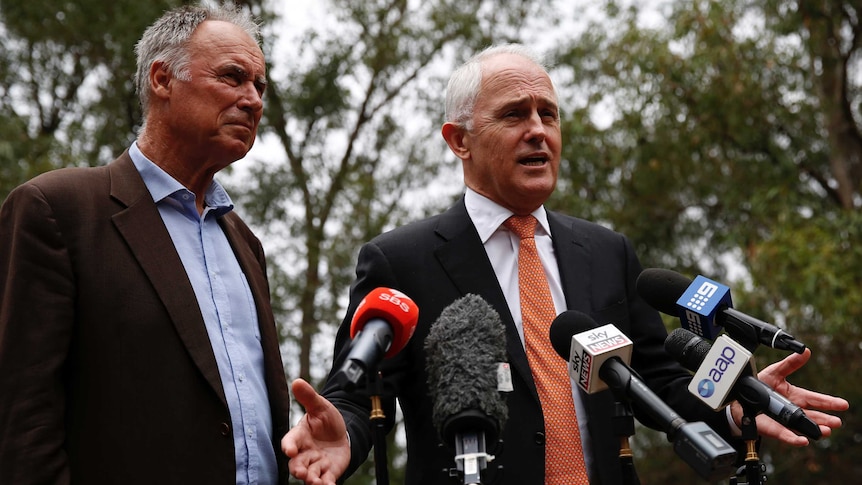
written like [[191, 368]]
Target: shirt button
[[225, 429]]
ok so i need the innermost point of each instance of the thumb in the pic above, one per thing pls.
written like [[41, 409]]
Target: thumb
[[308, 397]]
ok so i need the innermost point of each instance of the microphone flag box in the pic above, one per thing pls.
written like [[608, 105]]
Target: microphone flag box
[[591, 349], [724, 363], [700, 303]]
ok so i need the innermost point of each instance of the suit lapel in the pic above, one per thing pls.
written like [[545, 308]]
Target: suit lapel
[[465, 261], [141, 226], [572, 250]]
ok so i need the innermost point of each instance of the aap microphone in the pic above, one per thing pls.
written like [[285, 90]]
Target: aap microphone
[[719, 375], [598, 359], [382, 325], [704, 306], [465, 347]]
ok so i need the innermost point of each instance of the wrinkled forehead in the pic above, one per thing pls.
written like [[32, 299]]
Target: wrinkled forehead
[[223, 41], [513, 76]]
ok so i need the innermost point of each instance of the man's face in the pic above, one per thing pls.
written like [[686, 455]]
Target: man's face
[[513, 151], [219, 109]]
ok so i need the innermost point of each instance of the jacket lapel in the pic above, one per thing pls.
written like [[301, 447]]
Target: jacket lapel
[[465, 261], [572, 250], [141, 226]]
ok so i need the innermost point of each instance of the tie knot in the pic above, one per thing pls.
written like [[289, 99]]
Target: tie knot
[[523, 226]]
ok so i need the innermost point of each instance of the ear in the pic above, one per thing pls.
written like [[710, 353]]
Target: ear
[[160, 80], [454, 136]]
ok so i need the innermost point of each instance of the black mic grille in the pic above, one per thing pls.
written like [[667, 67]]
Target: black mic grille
[[566, 325], [661, 288], [687, 348]]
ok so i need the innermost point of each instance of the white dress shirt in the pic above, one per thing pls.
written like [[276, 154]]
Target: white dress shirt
[[502, 245]]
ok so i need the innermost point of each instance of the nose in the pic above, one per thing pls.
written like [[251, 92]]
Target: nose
[[251, 99], [535, 130]]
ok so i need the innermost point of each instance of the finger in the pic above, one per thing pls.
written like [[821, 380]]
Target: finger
[[825, 402], [824, 419], [291, 443], [298, 470], [789, 364], [313, 472], [808, 399], [768, 427]]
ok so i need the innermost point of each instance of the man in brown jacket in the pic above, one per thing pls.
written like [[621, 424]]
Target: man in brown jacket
[[137, 341]]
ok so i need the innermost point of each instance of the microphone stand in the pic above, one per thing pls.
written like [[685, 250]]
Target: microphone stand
[[624, 427], [753, 470], [378, 425]]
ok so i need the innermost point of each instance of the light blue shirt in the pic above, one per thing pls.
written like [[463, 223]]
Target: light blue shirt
[[228, 310]]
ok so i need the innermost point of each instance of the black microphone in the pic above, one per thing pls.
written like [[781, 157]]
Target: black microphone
[[595, 354], [691, 350], [464, 349], [703, 303]]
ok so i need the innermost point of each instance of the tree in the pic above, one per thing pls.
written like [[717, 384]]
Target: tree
[[355, 120], [732, 146], [66, 91], [724, 142]]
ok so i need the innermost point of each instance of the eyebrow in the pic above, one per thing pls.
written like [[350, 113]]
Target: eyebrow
[[260, 80], [515, 103]]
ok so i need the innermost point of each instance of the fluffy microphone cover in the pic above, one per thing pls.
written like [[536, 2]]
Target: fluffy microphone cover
[[464, 347]]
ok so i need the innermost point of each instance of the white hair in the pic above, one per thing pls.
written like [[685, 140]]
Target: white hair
[[166, 40], [465, 82]]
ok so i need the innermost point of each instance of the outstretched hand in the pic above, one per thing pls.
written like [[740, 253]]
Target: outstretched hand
[[813, 403], [317, 446]]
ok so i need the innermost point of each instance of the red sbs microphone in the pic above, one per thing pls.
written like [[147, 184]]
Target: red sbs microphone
[[392, 306], [382, 325]]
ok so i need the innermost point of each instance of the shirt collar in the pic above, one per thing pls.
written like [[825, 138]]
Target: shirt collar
[[488, 215], [162, 185]]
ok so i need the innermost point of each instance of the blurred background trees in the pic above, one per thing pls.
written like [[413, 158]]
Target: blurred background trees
[[733, 150], [723, 137]]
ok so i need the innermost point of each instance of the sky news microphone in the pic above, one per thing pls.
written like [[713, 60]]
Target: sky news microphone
[[722, 374], [465, 359], [382, 325], [598, 359], [704, 307]]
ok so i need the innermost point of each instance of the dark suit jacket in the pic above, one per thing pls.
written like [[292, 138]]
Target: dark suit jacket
[[106, 371], [439, 260]]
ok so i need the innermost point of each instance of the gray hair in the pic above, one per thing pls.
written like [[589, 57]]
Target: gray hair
[[167, 39], [465, 82]]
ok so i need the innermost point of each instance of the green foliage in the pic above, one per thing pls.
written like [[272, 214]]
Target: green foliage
[[356, 120], [722, 147], [725, 140], [66, 92]]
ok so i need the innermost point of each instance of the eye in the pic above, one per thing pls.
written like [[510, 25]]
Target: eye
[[233, 78]]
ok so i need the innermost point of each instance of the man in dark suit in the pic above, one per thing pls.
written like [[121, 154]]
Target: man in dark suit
[[137, 341], [503, 123]]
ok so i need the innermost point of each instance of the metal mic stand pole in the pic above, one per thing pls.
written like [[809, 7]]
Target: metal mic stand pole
[[624, 427], [378, 425], [754, 470]]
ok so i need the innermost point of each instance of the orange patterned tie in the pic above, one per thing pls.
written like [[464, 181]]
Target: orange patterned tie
[[564, 457]]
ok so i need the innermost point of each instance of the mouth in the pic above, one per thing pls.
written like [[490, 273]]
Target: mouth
[[242, 124], [535, 160]]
